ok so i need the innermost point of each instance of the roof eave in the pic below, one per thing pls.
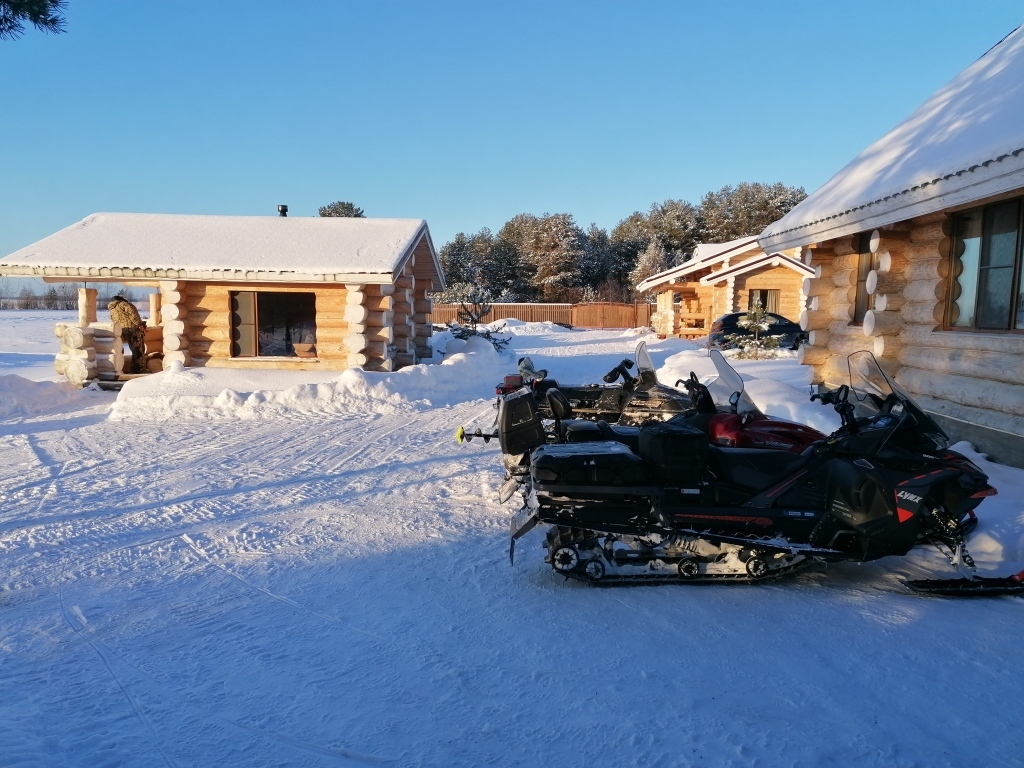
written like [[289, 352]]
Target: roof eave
[[954, 190], [85, 274]]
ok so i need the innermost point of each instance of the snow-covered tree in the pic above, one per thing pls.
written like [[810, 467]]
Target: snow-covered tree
[[342, 209], [595, 265], [474, 307], [745, 209], [552, 246], [627, 241], [457, 260], [677, 224], [651, 262]]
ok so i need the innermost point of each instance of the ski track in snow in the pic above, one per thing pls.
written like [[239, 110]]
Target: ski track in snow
[[317, 592]]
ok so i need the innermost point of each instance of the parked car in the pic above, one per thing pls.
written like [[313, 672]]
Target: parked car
[[726, 325]]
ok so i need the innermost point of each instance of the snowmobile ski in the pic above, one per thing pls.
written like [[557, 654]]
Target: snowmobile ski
[[978, 586]]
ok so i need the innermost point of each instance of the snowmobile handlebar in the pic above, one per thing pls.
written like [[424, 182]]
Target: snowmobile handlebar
[[622, 369], [840, 400]]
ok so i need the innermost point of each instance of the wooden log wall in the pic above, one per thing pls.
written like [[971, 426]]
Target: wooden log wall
[[197, 331], [177, 331], [971, 377], [109, 346], [785, 280], [369, 313], [832, 293], [77, 359], [422, 327], [94, 351], [666, 320]]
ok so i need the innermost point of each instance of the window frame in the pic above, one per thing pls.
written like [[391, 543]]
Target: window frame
[[232, 300], [1017, 273], [865, 258]]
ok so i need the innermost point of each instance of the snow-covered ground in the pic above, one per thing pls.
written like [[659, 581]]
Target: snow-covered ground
[[249, 572]]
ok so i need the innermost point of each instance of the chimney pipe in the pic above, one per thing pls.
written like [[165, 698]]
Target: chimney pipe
[[282, 210]]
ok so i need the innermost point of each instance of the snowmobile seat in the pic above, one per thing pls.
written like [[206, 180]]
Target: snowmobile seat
[[677, 452], [756, 468], [559, 404], [561, 409], [628, 436], [580, 431]]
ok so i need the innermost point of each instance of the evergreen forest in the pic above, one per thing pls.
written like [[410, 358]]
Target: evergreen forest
[[551, 258]]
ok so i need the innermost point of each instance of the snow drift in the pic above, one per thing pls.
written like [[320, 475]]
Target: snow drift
[[21, 398], [221, 393]]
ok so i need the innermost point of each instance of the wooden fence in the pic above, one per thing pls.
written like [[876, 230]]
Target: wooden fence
[[602, 314]]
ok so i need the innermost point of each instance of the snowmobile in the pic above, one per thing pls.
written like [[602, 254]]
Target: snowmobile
[[636, 400], [739, 424], [671, 505]]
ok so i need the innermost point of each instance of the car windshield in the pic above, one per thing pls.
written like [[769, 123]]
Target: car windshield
[[728, 383]]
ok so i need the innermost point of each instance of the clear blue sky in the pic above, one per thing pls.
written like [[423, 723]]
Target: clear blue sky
[[462, 113]]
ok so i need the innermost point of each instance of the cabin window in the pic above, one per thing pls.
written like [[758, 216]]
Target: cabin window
[[268, 324], [986, 291], [769, 299], [865, 263]]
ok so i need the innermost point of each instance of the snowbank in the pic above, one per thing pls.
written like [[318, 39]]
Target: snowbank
[[221, 393], [997, 544], [21, 398]]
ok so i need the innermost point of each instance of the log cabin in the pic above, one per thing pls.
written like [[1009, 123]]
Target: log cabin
[[916, 247], [722, 278], [247, 291]]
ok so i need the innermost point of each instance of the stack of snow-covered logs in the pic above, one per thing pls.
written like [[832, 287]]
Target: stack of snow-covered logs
[[94, 351], [174, 318], [905, 288], [389, 324]]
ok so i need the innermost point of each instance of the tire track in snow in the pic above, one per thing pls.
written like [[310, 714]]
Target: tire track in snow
[[106, 654], [136, 706], [273, 595]]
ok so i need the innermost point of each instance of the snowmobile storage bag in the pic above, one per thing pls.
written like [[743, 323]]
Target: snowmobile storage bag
[[558, 468], [676, 453], [519, 424]]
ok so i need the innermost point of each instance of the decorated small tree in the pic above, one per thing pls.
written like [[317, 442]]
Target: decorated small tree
[[760, 344], [475, 305]]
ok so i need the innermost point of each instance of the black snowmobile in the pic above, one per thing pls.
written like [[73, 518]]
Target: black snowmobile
[[663, 503], [636, 400]]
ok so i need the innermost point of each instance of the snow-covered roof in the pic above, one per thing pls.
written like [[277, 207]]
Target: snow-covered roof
[[757, 262], [963, 144], [704, 256], [271, 248]]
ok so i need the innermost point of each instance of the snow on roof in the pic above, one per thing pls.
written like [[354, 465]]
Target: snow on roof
[[963, 144], [764, 260], [225, 247], [704, 256]]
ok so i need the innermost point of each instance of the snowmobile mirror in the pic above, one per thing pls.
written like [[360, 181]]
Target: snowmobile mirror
[[734, 401]]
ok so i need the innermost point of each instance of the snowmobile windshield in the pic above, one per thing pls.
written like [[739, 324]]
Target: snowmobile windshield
[[644, 365], [728, 383], [872, 393]]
